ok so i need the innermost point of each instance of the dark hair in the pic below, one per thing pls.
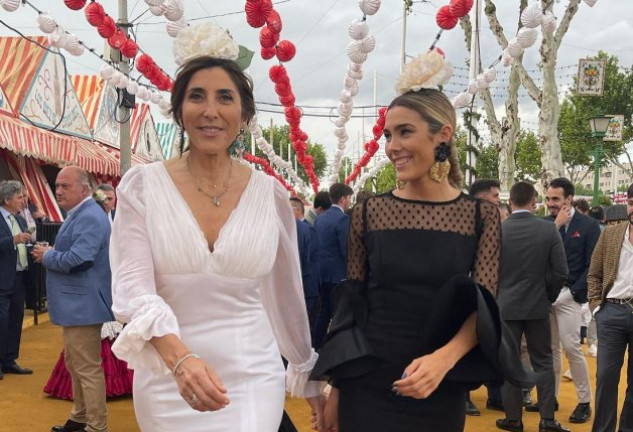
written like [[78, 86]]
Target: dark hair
[[582, 205], [435, 109], [105, 187], [338, 191], [597, 213], [522, 193], [242, 81], [484, 185], [565, 184], [298, 201], [629, 193], [322, 200]]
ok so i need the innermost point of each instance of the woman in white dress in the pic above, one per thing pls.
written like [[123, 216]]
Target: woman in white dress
[[206, 274]]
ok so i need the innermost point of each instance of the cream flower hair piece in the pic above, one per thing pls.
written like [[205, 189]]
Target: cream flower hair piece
[[429, 70], [204, 40]]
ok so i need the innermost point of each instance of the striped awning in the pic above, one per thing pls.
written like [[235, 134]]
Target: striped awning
[[92, 157], [89, 89], [168, 134], [116, 154], [19, 61]]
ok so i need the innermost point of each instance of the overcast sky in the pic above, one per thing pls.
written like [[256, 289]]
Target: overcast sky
[[318, 28]]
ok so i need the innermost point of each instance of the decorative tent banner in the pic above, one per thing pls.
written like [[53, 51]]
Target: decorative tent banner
[[614, 130], [590, 80], [5, 106], [107, 129], [147, 143], [44, 103]]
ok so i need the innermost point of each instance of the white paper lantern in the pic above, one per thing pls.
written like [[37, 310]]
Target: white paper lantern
[[163, 104], [156, 10], [590, 3], [10, 5], [549, 22], [472, 86], [166, 113], [356, 66], [155, 98], [71, 43], [143, 93], [506, 58], [514, 48], [345, 96], [369, 7], [349, 82], [356, 75], [46, 23], [481, 82], [106, 71], [339, 132], [173, 9], [174, 27], [368, 44], [339, 123], [358, 29], [79, 51], [527, 37], [132, 87], [122, 82], [490, 75], [115, 78], [354, 52], [462, 100], [354, 89], [531, 16], [58, 38]]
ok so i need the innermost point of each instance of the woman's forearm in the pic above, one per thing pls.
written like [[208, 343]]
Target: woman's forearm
[[463, 341], [170, 348]]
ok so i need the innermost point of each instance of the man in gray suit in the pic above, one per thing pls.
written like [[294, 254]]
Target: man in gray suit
[[533, 271]]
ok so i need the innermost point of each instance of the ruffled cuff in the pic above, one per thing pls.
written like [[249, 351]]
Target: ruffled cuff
[[152, 318], [297, 383]]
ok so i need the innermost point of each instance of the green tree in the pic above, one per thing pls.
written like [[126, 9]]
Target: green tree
[[386, 179], [487, 164], [346, 169], [527, 157]]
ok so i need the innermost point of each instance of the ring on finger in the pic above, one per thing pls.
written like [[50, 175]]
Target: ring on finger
[[194, 399]]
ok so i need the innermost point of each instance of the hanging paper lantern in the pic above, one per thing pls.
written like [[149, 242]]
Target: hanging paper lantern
[[514, 48], [71, 43], [285, 51], [78, 51], [274, 21], [156, 10], [358, 29], [473, 87], [268, 53], [490, 75], [268, 38], [257, 12], [57, 38], [354, 52], [46, 23], [132, 87], [174, 27], [277, 73], [368, 44], [144, 63], [75, 4], [107, 28], [445, 20], [531, 16], [129, 48], [106, 72], [369, 7], [122, 82], [117, 40], [549, 22], [481, 82], [95, 14], [163, 104], [460, 8], [155, 98], [143, 93], [287, 100], [173, 9], [590, 3], [527, 37], [10, 5], [506, 58], [115, 78]]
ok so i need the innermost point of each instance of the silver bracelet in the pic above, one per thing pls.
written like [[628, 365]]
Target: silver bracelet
[[181, 360]]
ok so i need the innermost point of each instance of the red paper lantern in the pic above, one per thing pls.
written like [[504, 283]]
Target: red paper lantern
[[277, 73], [268, 53], [268, 38], [257, 12], [143, 63], [95, 14], [445, 19], [117, 40], [460, 8], [285, 51], [107, 27], [274, 21], [287, 100], [129, 49], [75, 4]]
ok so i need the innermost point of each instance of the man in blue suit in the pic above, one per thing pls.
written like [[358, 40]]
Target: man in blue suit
[[332, 227], [79, 295], [13, 268]]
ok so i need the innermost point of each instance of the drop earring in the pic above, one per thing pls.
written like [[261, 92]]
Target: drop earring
[[238, 147], [442, 165]]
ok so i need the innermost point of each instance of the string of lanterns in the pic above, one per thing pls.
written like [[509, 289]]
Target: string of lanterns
[[371, 146], [263, 162], [371, 173]]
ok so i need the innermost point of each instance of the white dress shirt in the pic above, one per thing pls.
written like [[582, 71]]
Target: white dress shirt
[[623, 285]]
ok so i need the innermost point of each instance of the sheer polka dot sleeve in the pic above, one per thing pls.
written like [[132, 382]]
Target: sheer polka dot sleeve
[[486, 267], [356, 256]]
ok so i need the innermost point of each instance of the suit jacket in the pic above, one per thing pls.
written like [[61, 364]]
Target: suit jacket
[[78, 278], [605, 263], [8, 254], [312, 281], [332, 227], [580, 239], [531, 249], [304, 241]]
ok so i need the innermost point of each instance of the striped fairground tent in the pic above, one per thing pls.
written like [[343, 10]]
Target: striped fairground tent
[[169, 136]]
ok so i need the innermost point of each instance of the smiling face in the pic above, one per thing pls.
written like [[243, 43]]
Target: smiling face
[[211, 110], [555, 200], [410, 143]]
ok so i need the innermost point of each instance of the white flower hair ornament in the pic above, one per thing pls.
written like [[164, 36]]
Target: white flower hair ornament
[[429, 70]]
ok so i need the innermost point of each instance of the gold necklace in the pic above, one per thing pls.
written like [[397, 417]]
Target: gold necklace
[[201, 183]]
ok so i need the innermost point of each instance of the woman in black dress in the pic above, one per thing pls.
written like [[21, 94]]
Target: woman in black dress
[[404, 246]]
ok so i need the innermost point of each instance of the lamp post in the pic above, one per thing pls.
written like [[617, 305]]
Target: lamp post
[[599, 125]]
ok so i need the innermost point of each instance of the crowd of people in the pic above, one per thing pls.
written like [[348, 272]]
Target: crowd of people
[[412, 298]]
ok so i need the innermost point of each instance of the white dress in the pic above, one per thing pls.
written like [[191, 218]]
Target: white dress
[[237, 307]]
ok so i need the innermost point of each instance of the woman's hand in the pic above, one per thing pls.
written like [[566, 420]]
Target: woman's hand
[[423, 375], [200, 386], [317, 404], [331, 412]]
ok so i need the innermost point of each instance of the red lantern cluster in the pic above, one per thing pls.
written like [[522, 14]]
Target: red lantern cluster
[[371, 146], [268, 170], [298, 137], [146, 65], [75, 4], [448, 16], [261, 13]]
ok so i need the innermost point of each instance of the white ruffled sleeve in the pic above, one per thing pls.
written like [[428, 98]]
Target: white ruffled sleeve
[[135, 301], [282, 296]]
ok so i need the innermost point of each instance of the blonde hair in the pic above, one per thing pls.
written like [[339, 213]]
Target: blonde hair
[[434, 108]]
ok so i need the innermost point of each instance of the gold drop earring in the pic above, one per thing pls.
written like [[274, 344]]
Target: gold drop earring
[[442, 165]]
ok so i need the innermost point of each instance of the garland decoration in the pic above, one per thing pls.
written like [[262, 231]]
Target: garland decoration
[[263, 162], [371, 146]]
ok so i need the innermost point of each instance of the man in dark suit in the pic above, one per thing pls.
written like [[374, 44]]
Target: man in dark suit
[[531, 250], [14, 267], [109, 204], [580, 234], [321, 203], [332, 228], [79, 295]]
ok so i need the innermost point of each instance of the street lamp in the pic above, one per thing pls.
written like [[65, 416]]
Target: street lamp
[[599, 125]]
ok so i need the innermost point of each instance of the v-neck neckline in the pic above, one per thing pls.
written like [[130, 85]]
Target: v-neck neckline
[[192, 217]]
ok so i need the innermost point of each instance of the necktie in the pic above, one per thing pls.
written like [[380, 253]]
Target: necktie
[[562, 231], [15, 229]]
